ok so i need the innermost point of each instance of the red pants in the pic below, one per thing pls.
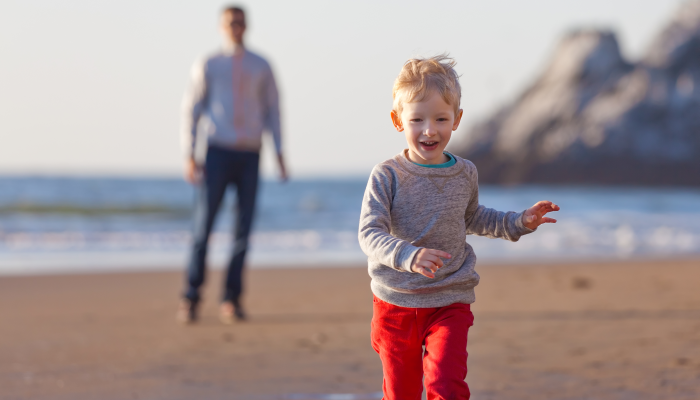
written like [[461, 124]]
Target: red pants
[[398, 334]]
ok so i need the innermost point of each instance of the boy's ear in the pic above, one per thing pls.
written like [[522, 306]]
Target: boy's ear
[[457, 119], [396, 121]]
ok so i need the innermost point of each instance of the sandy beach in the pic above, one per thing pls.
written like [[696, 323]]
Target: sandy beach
[[609, 330]]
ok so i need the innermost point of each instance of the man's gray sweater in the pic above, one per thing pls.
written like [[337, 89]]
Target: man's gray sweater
[[407, 207]]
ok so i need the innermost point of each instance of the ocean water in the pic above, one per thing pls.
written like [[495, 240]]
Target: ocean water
[[55, 225]]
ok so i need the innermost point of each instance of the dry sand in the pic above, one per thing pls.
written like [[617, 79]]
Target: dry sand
[[623, 330]]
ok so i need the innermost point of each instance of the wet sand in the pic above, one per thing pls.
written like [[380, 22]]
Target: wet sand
[[615, 330]]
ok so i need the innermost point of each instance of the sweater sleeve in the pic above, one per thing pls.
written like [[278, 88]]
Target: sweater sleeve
[[482, 221], [375, 238]]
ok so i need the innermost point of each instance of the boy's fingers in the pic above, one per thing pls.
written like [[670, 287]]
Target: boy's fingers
[[434, 260], [542, 203], [548, 220], [439, 253], [548, 208], [431, 265], [546, 205], [426, 272], [424, 265], [551, 207]]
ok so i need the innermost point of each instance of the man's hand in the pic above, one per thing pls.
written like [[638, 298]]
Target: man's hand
[[427, 261], [283, 168], [535, 215], [192, 172]]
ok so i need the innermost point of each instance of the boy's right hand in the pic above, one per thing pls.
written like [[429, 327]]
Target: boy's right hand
[[427, 261]]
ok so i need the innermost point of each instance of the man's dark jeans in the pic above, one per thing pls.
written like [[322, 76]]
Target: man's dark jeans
[[222, 168]]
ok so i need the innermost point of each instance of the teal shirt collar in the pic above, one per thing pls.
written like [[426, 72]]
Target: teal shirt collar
[[449, 163]]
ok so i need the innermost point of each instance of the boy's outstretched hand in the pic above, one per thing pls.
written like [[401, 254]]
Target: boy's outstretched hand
[[427, 261], [535, 215]]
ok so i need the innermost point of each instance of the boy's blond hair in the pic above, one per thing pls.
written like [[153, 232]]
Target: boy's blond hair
[[421, 75]]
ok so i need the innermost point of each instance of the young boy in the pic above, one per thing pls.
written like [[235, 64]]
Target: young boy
[[416, 212]]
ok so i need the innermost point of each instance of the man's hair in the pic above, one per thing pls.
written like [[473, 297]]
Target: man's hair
[[419, 76], [233, 9]]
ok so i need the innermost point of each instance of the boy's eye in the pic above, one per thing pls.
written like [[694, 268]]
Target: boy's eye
[[416, 120], [442, 119]]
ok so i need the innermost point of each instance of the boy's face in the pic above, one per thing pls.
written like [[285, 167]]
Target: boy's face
[[428, 126]]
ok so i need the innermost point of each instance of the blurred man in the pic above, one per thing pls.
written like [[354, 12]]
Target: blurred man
[[232, 99]]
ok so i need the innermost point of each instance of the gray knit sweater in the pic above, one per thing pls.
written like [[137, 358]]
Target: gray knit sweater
[[407, 207]]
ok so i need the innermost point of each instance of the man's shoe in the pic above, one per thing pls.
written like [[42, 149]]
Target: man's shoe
[[187, 312], [240, 314], [228, 313]]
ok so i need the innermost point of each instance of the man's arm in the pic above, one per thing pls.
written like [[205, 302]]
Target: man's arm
[[375, 224], [273, 120], [193, 104]]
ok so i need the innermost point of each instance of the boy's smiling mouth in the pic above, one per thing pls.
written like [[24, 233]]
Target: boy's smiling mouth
[[429, 144]]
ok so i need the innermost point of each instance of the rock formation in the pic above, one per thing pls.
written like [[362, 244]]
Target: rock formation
[[594, 118]]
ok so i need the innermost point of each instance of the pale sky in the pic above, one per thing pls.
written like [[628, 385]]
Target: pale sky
[[94, 87]]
